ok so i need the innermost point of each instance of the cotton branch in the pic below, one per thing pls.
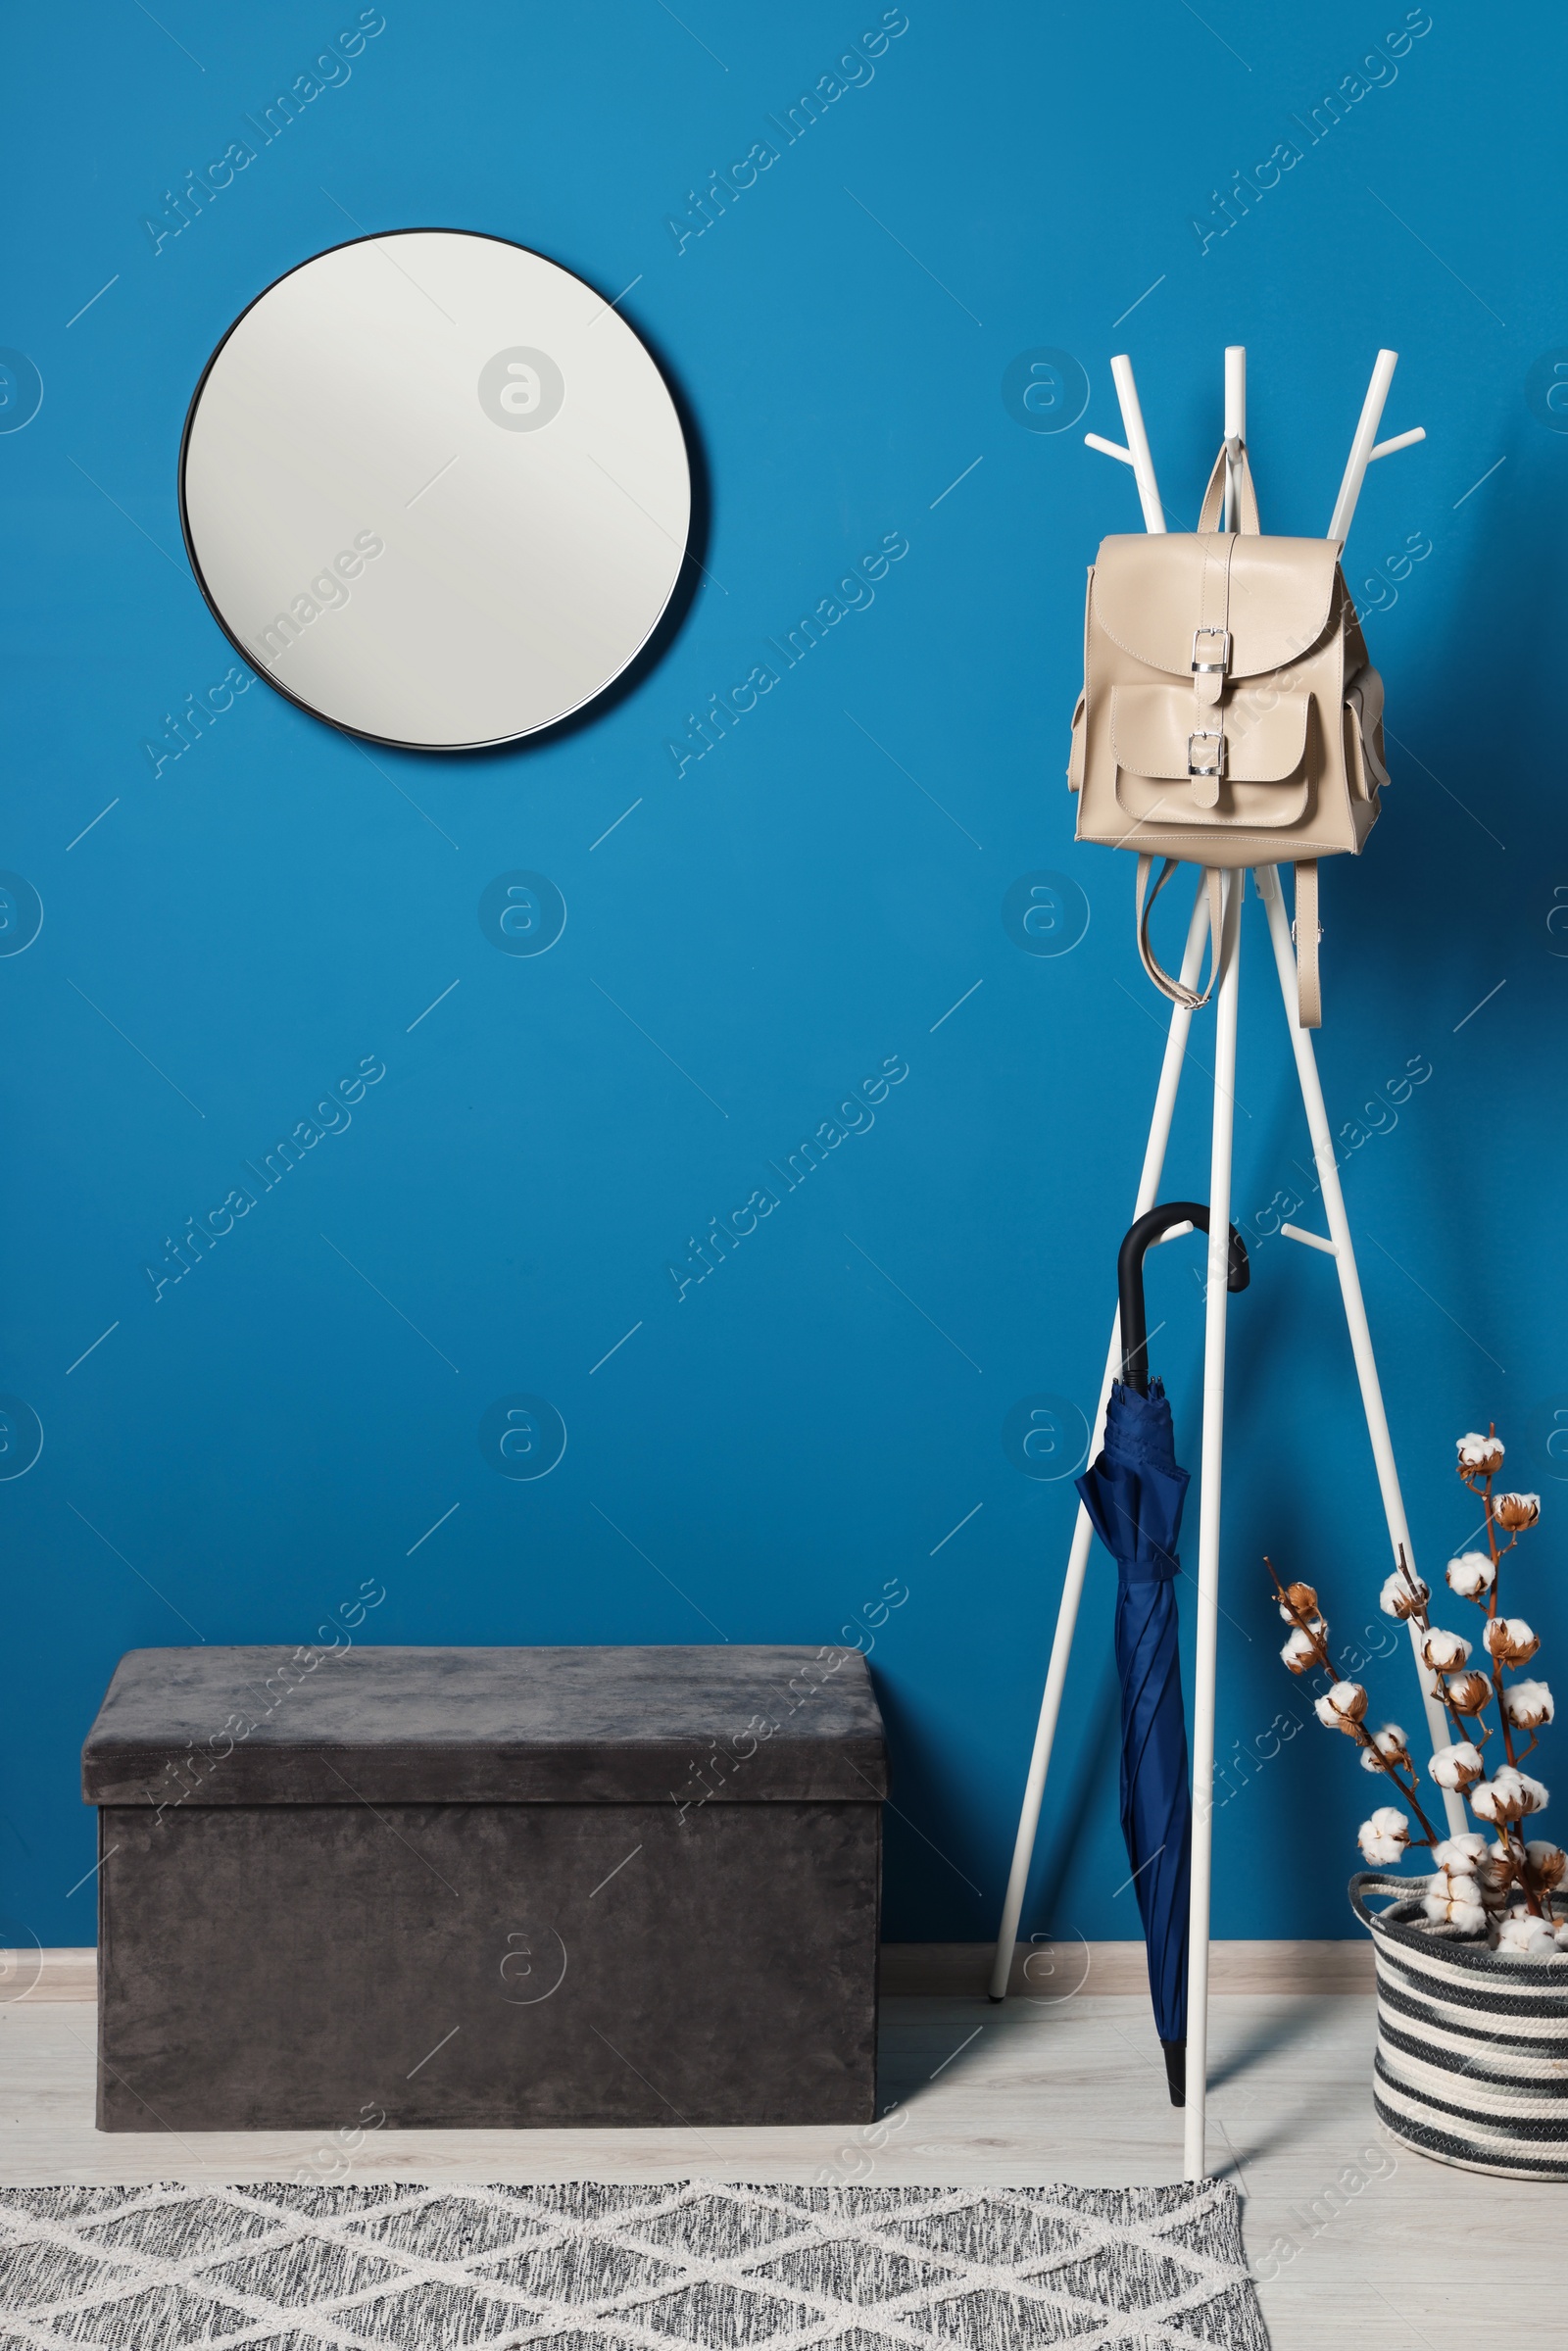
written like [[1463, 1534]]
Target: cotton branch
[[1308, 1623]]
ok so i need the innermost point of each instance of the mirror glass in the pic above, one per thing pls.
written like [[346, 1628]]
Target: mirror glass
[[435, 489]]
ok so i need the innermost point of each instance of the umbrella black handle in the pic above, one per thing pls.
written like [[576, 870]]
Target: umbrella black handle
[[1130, 1279]]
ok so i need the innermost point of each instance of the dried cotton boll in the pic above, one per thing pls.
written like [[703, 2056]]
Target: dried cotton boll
[[1454, 1901], [1299, 1602], [1510, 1641], [1480, 1456], [1493, 1874], [1528, 1704], [1508, 1795], [1384, 1837], [1444, 1652], [1458, 1766], [1461, 1855], [1342, 1707], [1562, 1937], [1516, 1511], [1470, 1575], [1387, 1750], [1298, 1652], [1468, 1694], [1524, 1938], [1490, 1802], [1548, 1863], [1401, 1597]]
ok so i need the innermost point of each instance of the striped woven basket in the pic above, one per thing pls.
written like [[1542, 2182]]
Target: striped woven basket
[[1472, 2064]]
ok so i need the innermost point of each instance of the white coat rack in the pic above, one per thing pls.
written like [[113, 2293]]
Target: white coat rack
[[1366, 448]]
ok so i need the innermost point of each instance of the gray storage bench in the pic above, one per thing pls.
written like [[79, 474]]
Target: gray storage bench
[[486, 1888]]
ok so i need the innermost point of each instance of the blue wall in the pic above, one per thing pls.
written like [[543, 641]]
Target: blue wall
[[818, 899]]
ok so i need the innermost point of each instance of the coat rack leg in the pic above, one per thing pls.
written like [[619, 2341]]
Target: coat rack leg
[[1366, 1367], [1208, 1525], [1170, 1073]]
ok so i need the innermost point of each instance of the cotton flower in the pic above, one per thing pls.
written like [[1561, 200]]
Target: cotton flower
[[1386, 1752], [1458, 1766], [1300, 1651], [1548, 1863], [1468, 1694], [1528, 1704], [1523, 1937], [1508, 1795], [1401, 1596], [1444, 1652], [1481, 1456], [1494, 1873], [1489, 1866], [1343, 1708], [1516, 1511], [1470, 1575], [1454, 1900], [1384, 1837], [1300, 1603], [1509, 1641]]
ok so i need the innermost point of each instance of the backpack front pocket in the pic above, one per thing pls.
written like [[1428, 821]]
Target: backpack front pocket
[[1240, 761]]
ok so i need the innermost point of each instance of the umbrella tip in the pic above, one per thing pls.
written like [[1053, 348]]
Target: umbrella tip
[[1176, 2070]]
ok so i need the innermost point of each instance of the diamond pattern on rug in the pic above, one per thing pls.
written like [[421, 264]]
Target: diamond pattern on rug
[[162, 2318], [425, 2315], [846, 2269], [576, 2269], [710, 2313], [42, 2274], [310, 2270], [1001, 2322], [997, 2236], [593, 2266], [719, 2226], [449, 2227], [193, 2225]]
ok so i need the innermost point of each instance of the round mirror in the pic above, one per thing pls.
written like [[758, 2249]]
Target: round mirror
[[434, 489]]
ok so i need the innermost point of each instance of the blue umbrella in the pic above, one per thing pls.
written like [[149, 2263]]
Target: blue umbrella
[[1132, 1492]]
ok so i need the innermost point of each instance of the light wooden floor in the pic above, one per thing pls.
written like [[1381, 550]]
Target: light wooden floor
[[1417, 2256]]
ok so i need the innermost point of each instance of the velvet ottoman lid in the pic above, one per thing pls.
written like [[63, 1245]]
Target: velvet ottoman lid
[[496, 1725]]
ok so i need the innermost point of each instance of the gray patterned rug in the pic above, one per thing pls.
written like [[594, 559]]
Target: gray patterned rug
[[581, 2265]]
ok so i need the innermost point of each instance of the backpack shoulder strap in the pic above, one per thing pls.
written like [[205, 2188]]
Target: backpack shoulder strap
[[1306, 931], [1244, 517], [1177, 989]]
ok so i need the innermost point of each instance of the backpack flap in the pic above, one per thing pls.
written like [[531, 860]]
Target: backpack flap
[[1151, 594]]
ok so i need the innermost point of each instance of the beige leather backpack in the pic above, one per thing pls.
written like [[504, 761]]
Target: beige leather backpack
[[1228, 716]]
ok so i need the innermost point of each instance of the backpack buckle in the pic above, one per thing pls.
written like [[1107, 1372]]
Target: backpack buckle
[[1210, 762], [1213, 668]]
